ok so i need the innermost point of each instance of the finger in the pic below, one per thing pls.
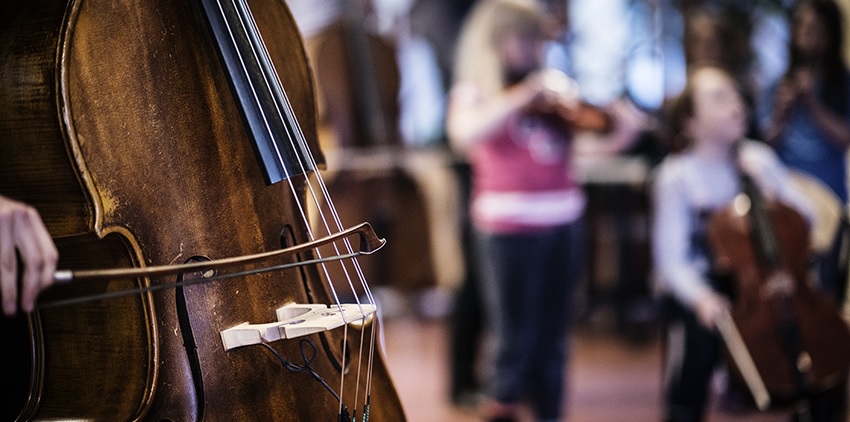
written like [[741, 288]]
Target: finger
[[37, 255], [46, 249], [8, 266]]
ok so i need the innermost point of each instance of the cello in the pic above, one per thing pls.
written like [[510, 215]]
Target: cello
[[358, 81], [161, 134], [785, 340]]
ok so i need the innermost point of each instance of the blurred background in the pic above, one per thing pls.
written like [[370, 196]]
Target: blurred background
[[383, 69]]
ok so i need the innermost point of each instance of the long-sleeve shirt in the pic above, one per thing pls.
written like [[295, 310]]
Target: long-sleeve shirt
[[685, 186]]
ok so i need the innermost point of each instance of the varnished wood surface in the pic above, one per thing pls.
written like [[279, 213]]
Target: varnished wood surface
[[119, 126]]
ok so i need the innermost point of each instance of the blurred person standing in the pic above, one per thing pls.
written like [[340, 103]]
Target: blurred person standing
[[514, 120], [806, 117]]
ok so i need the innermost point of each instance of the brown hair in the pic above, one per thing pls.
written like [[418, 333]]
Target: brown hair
[[833, 90], [678, 110]]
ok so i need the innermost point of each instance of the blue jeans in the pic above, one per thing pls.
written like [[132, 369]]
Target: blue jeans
[[527, 284]]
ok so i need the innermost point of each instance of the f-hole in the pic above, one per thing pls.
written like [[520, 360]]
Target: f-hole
[[287, 239], [188, 336]]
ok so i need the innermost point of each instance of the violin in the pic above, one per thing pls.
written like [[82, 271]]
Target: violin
[[785, 340], [575, 114], [175, 142], [586, 117]]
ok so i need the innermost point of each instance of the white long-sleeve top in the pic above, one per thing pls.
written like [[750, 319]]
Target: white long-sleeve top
[[686, 185]]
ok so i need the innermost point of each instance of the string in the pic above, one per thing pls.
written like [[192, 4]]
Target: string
[[288, 114], [291, 117], [355, 263], [271, 131], [258, 56]]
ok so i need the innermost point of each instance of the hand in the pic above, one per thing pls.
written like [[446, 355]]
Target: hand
[[628, 120], [23, 233], [552, 90], [804, 80], [709, 308], [786, 95]]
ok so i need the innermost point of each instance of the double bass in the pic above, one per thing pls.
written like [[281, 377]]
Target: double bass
[[786, 341], [358, 80], [176, 135]]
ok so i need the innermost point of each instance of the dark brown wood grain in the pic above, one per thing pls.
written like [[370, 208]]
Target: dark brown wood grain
[[118, 124]]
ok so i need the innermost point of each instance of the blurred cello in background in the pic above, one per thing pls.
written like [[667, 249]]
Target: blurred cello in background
[[358, 80], [159, 132], [786, 341]]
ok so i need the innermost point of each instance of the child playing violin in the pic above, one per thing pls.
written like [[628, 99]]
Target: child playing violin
[[514, 120]]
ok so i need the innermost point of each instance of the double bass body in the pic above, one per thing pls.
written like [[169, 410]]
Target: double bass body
[[117, 122]]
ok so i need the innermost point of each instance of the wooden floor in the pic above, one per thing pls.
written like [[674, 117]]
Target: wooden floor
[[610, 379]]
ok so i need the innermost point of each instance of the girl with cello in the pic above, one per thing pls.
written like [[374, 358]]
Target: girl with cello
[[688, 187]]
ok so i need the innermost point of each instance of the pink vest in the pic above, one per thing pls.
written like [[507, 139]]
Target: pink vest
[[522, 177]]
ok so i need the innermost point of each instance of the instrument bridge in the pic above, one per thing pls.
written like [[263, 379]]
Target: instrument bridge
[[297, 320]]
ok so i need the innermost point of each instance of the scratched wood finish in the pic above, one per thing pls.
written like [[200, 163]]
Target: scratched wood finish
[[118, 124]]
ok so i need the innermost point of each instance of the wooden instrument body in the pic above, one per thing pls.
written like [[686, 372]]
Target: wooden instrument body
[[358, 80], [797, 340], [118, 124]]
